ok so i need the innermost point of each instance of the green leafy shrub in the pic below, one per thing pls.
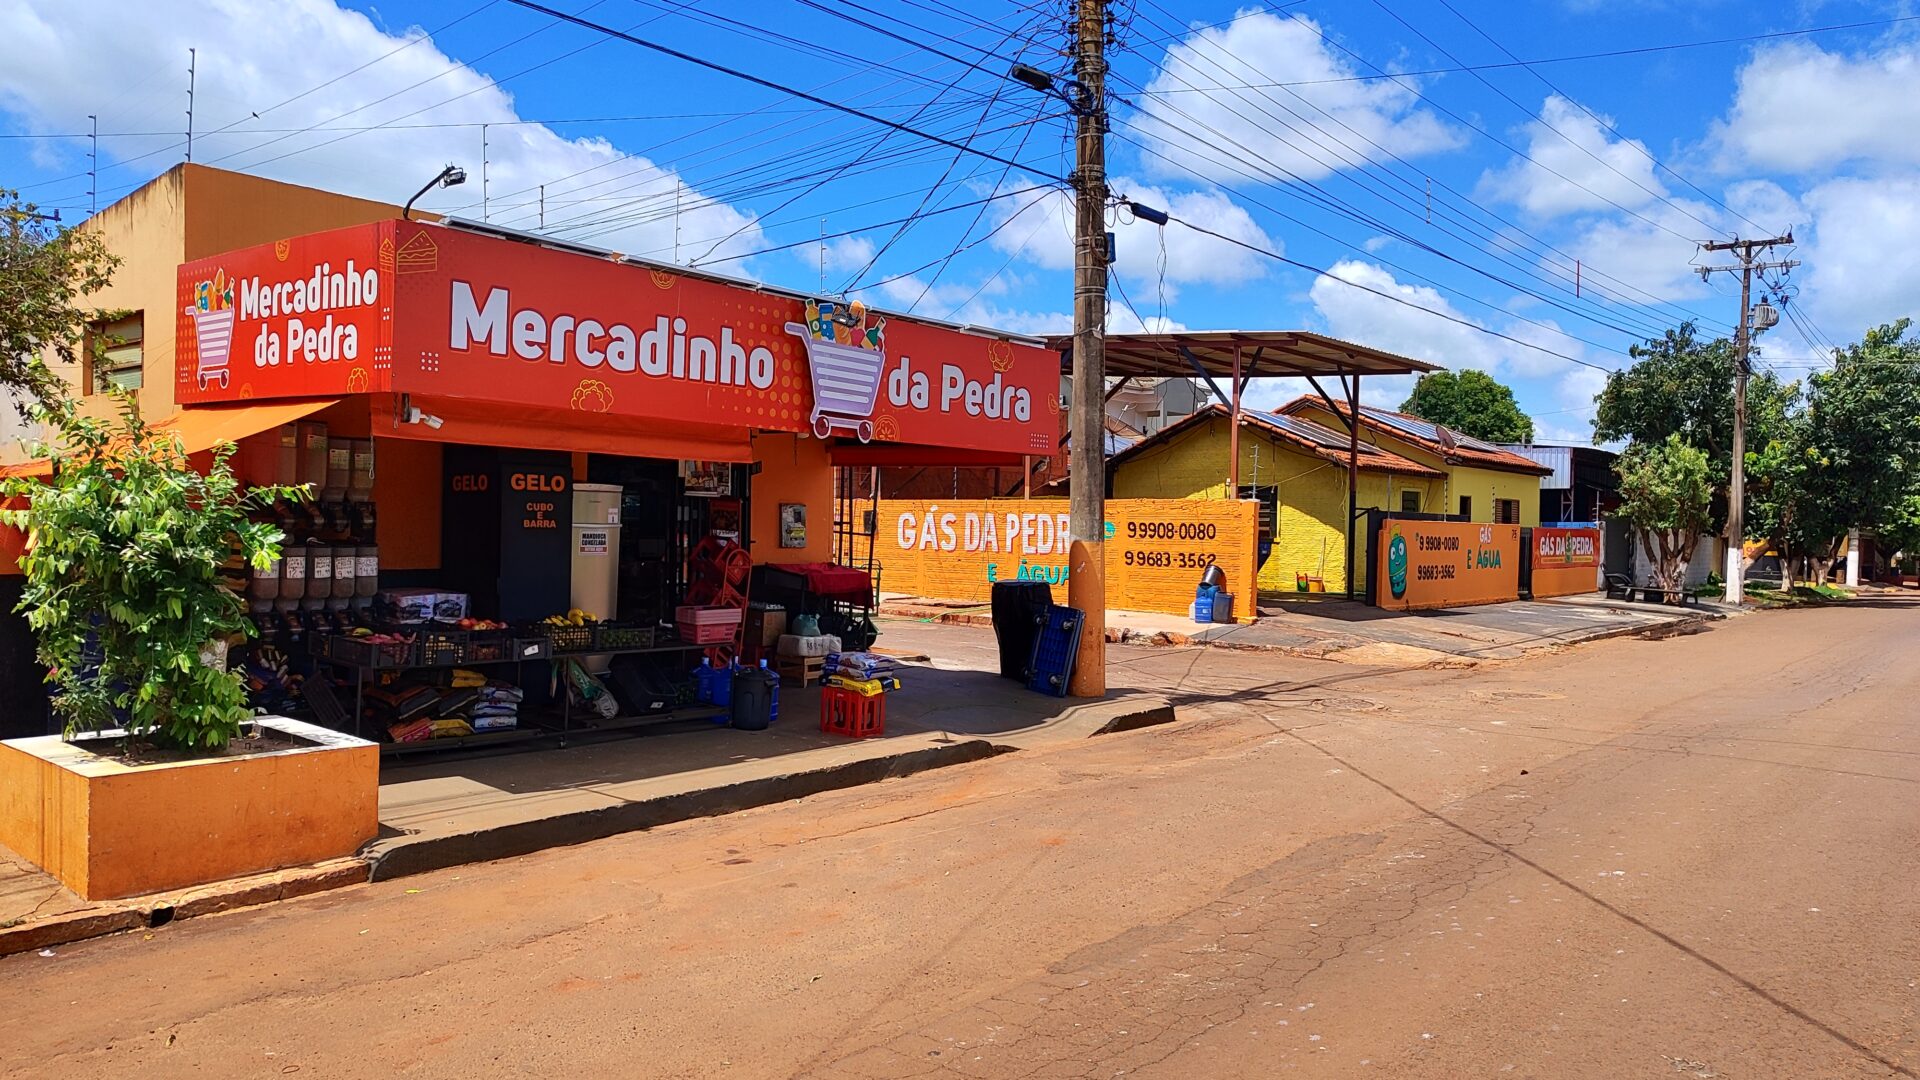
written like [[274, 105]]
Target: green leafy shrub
[[123, 569]]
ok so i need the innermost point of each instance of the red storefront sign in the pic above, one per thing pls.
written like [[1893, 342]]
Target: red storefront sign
[[452, 314], [311, 316], [1565, 561]]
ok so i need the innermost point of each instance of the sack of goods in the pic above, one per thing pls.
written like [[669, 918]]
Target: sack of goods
[[879, 684], [808, 645], [497, 707], [859, 665]]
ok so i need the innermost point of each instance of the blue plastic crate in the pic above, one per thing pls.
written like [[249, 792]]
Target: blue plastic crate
[[1054, 651]]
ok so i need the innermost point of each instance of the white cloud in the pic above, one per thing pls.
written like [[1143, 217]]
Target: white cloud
[[1575, 166], [60, 62], [1373, 320], [1629, 259], [1218, 133], [839, 253], [1798, 108], [1042, 233], [1863, 265]]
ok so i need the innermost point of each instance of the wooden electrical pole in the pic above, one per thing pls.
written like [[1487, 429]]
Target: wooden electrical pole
[[1742, 347], [1087, 430]]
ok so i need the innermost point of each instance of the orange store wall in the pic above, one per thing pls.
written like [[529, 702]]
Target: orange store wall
[[792, 469], [406, 496]]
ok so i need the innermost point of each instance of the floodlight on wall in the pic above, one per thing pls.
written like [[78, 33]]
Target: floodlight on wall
[[451, 176]]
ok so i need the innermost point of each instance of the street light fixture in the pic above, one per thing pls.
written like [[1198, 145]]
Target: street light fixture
[[451, 176]]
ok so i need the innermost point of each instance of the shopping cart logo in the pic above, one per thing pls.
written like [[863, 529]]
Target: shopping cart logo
[[212, 313], [846, 357]]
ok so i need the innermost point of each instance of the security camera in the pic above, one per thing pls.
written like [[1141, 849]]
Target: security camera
[[415, 415]]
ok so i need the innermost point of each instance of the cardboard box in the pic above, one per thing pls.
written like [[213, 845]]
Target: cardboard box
[[409, 605], [764, 626], [423, 605]]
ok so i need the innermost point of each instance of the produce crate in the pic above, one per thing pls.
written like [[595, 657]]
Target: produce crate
[[443, 648], [359, 652], [488, 646], [613, 635], [567, 639]]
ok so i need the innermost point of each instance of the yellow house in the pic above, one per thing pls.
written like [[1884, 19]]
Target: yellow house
[[1295, 468], [1481, 482]]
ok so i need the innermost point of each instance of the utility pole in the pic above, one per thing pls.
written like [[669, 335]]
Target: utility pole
[[486, 207], [93, 163], [1743, 332], [1087, 430]]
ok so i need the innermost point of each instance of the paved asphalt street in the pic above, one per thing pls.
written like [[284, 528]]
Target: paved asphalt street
[[1692, 857]]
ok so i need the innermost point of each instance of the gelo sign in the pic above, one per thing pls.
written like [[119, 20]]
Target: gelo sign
[[1430, 564]]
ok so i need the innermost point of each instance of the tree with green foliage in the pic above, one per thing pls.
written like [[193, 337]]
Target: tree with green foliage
[[1472, 403], [1665, 492], [1681, 385], [45, 272], [1900, 531], [1847, 459], [126, 542]]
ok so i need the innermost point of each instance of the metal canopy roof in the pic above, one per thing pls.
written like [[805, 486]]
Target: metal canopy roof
[[1263, 354]]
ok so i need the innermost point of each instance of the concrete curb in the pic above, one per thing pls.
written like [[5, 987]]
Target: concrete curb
[[159, 909], [524, 838], [403, 858]]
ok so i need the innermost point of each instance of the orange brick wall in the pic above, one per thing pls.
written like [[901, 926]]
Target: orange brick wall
[[1156, 549]]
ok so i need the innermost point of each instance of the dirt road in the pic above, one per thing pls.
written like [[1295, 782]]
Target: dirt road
[[1693, 857]]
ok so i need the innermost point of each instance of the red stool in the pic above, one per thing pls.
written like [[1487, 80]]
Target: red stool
[[855, 715]]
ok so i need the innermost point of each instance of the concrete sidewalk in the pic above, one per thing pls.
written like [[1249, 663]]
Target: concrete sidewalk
[[439, 812], [1334, 628], [436, 814]]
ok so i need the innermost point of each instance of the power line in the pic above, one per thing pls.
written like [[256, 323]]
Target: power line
[[1505, 222], [1596, 117], [410, 43], [1496, 238], [880, 225], [1609, 54], [1340, 207], [723, 69], [1402, 301], [1543, 122]]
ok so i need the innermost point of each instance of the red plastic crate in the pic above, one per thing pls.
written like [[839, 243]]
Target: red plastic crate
[[855, 715]]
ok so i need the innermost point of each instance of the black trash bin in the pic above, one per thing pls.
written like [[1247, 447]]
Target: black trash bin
[[1019, 607]]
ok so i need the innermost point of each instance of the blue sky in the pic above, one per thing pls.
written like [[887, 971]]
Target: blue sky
[[1266, 122]]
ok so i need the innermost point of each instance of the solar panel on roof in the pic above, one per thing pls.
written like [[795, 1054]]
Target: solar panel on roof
[[1305, 429]]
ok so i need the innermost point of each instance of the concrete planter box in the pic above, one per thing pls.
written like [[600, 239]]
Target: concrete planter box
[[110, 829]]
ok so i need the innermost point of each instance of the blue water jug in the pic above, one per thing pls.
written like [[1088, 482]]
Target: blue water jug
[[723, 687], [703, 682], [773, 692], [1203, 603]]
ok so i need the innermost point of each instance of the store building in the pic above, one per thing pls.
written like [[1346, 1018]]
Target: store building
[[1582, 486], [446, 387], [1480, 481], [1293, 468]]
